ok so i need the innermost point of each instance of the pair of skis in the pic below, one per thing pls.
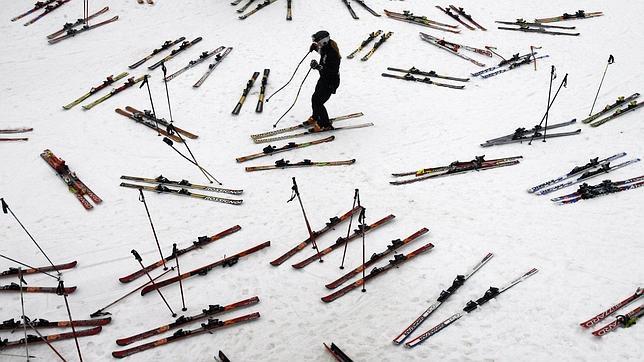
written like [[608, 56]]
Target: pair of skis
[[205, 313], [514, 65], [377, 44], [478, 164], [606, 187], [106, 83], [49, 7], [208, 327], [595, 168], [444, 295], [276, 135], [162, 184], [413, 70], [128, 84], [522, 135], [409, 17], [536, 27], [259, 7], [470, 306], [211, 67], [454, 12], [202, 58], [621, 320], [364, 43], [271, 150], [148, 119], [183, 47], [580, 14], [70, 30], [454, 48], [14, 131], [361, 3], [166, 45], [398, 260], [75, 185], [593, 163], [201, 242], [632, 105], [282, 164]]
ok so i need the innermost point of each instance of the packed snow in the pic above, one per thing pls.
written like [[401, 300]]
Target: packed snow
[[588, 254]]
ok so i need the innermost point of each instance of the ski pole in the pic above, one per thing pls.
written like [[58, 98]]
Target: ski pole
[[101, 312], [356, 198], [296, 193], [553, 75], [6, 208], [176, 257], [171, 130], [167, 93], [61, 291], [28, 266], [292, 76], [611, 60], [142, 199], [563, 84], [154, 113], [363, 225], [171, 144], [140, 260], [24, 317], [294, 101]]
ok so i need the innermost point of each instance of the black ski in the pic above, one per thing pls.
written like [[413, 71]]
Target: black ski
[[164, 46]]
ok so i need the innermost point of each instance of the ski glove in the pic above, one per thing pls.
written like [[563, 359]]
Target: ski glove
[[314, 64]]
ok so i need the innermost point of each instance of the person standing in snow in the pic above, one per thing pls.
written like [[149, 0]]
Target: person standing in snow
[[329, 68]]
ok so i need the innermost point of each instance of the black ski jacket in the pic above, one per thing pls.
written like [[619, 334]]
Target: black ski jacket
[[330, 65]]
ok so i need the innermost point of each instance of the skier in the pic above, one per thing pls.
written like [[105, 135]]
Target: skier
[[329, 68]]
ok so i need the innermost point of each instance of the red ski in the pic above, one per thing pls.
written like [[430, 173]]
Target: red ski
[[50, 338], [43, 323], [333, 222], [341, 241], [621, 321], [13, 287], [227, 261], [601, 316], [14, 271], [76, 186], [201, 241], [212, 310]]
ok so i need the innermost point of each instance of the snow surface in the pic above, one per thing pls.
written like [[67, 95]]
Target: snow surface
[[588, 254]]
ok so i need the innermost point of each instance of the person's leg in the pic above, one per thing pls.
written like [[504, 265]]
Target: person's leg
[[320, 96]]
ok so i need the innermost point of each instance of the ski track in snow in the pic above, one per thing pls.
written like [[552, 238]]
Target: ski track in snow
[[587, 253]]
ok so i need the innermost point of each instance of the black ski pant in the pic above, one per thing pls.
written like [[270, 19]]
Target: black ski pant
[[323, 91]]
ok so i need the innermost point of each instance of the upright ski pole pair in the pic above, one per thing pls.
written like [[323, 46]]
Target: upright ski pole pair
[[287, 83], [165, 267], [362, 227], [564, 83]]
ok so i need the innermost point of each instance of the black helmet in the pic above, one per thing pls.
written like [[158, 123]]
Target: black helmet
[[320, 35]]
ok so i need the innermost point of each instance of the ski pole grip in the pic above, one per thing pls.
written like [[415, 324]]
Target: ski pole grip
[[168, 141], [136, 255], [5, 207]]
